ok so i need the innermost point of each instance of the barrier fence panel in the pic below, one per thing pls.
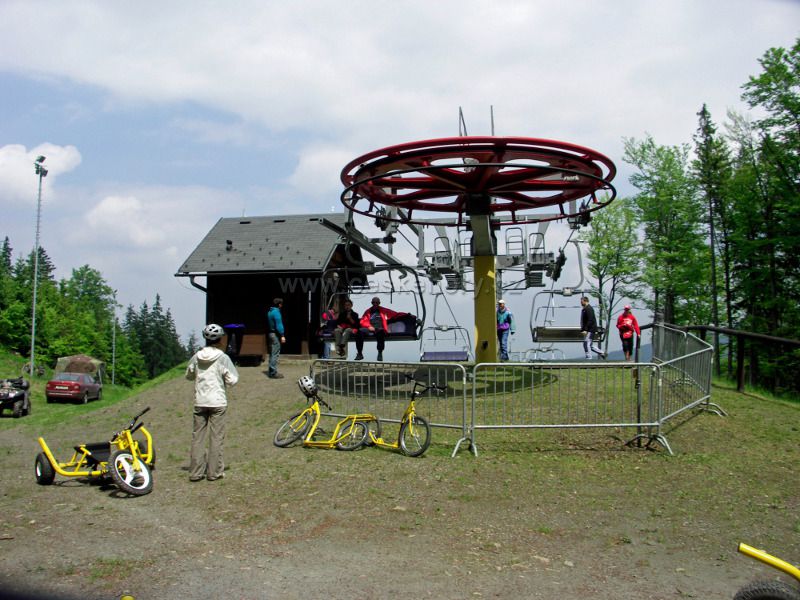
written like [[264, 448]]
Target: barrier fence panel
[[382, 388], [668, 343], [686, 384], [560, 395]]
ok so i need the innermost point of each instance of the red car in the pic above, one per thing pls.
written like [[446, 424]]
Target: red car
[[75, 386]]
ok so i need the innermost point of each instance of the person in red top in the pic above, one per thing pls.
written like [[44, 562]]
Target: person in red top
[[375, 320], [627, 325]]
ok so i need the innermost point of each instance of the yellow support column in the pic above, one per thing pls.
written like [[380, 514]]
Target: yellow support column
[[485, 309]]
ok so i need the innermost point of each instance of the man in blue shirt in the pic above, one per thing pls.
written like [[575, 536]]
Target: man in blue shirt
[[276, 338]]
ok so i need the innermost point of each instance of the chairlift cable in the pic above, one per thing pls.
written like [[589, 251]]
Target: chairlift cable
[[410, 243]]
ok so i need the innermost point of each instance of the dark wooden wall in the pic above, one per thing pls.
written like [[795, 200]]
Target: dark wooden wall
[[245, 299]]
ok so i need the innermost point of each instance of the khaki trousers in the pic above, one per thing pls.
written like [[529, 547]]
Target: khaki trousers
[[207, 423]]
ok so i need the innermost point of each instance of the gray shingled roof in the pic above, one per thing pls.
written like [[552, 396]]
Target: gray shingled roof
[[277, 243]]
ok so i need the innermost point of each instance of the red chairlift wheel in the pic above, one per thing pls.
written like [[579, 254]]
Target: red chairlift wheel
[[519, 176]]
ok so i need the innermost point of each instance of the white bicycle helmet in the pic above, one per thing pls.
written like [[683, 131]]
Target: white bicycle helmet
[[213, 332], [307, 386]]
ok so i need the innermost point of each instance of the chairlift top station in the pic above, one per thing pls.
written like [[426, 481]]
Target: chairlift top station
[[476, 185]]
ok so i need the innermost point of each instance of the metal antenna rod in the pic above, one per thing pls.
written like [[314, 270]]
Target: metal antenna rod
[[462, 124]]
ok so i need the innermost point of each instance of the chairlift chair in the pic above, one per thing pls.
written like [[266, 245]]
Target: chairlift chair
[[404, 328], [549, 332], [444, 342]]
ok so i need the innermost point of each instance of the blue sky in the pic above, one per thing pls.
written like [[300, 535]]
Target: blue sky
[[157, 119]]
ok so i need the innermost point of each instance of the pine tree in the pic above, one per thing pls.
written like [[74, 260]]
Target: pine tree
[[712, 170]]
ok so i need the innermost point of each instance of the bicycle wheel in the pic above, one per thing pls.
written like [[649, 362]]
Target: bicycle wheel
[[293, 429], [355, 439], [374, 427], [122, 467], [415, 436]]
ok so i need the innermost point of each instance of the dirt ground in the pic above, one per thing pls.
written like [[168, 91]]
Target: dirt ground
[[555, 515]]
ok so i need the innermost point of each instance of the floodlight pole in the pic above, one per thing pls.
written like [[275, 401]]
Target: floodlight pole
[[42, 173]]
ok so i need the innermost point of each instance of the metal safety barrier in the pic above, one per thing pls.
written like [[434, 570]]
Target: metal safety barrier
[[641, 396], [563, 395]]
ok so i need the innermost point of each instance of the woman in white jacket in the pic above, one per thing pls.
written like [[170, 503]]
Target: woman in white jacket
[[211, 370]]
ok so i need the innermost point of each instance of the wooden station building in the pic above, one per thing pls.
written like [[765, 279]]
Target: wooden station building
[[248, 261]]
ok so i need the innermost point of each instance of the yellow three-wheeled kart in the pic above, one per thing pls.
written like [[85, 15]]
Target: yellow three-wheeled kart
[[128, 460]]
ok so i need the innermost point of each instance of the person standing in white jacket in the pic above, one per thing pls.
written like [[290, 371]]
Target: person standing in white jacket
[[211, 370]]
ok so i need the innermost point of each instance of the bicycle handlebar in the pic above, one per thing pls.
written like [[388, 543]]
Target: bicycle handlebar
[[427, 387], [132, 423], [321, 401]]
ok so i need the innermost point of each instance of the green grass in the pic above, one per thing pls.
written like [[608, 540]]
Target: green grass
[[755, 391], [65, 410]]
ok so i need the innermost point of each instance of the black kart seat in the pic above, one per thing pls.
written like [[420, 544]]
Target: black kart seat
[[98, 452]]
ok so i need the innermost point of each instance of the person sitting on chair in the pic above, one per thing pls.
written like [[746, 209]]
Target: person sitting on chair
[[347, 324], [375, 320], [328, 315]]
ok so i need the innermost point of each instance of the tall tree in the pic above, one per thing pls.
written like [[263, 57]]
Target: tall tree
[[767, 188], [87, 289], [674, 256], [614, 253], [6, 274], [712, 170]]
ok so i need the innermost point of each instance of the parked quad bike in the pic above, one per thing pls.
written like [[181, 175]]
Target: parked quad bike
[[126, 459], [15, 396], [769, 589]]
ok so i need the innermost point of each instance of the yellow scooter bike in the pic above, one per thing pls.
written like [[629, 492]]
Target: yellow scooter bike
[[350, 432], [414, 436], [126, 459], [770, 589]]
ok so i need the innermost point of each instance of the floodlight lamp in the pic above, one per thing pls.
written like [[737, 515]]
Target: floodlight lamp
[[40, 159]]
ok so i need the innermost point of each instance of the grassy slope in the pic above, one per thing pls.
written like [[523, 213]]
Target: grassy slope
[[60, 412], [565, 496]]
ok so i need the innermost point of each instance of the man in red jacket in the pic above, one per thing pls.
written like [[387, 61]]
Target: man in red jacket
[[627, 325], [375, 320]]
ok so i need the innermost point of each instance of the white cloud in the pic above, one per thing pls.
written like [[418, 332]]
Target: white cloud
[[393, 72], [124, 221], [317, 171], [18, 179]]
